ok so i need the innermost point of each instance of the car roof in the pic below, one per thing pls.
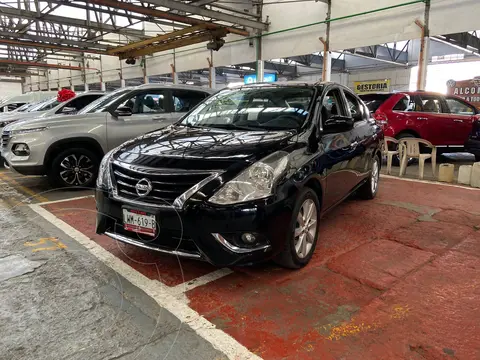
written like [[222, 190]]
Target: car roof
[[287, 84], [93, 92], [173, 86]]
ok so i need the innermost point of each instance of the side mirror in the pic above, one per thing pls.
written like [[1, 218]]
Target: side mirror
[[337, 124], [69, 110], [123, 111]]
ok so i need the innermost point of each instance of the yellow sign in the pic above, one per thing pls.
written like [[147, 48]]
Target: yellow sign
[[371, 86]]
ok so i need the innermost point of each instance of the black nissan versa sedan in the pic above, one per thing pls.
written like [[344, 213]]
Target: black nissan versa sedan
[[243, 177]]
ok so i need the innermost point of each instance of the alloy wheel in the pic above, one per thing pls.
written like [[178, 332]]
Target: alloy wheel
[[374, 177], [305, 228], [76, 171]]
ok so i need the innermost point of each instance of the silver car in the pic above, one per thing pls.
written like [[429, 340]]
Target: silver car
[[68, 149]]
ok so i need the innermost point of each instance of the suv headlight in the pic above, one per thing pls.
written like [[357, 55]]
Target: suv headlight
[[103, 178], [26, 131], [255, 182]]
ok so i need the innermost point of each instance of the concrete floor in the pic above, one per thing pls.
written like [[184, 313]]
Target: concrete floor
[[393, 278], [57, 301]]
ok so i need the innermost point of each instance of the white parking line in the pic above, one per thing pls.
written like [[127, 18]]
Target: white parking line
[[202, 280], [429, 182], [161, 293], [69, 199]]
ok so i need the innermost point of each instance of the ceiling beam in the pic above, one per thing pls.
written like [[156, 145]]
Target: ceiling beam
[[201, 2], [32, 15], [143, 43], [81, 44], [162, 14], [40, 65], [177, 43], [177, 5], [111, 11], [37, 45]]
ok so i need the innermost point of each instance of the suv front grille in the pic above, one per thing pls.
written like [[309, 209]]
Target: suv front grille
[[5, 138], [167, 184]]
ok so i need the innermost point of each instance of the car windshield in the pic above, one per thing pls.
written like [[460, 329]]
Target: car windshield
[[373, 101], [251, 108], [27, 107], [45, 105], [102, 103]]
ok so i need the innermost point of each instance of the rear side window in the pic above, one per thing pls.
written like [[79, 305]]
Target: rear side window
[[354, 107], [405, 104], [373, 101], [186, 100], [431, 104]]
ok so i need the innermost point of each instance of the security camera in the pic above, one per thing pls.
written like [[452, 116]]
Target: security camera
[[130, 61]]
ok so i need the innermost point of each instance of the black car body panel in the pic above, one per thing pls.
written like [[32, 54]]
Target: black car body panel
[[332, 163]]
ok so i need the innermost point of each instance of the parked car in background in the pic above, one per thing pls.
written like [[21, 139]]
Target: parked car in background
[[12, 103], [50, 107], [445, 121], [268, 158], [473, 142], [68, 149]]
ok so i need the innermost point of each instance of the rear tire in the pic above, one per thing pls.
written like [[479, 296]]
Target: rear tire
[[304, 225], [77, 168], [369, 190]]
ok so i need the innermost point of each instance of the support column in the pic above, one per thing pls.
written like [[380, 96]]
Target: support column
[[86, 87], [103, 86], [424, 55], [122, 83], [47, 76], [327, 56], [174, 74], [260, 64], [211, 72]]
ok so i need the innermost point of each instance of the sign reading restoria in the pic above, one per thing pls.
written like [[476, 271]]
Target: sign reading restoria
[[466, 89], [371, 86]]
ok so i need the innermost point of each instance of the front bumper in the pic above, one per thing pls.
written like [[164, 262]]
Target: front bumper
[[205, 232], [25, 165]]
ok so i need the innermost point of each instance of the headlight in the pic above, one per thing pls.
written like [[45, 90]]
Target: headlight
[[103, 178], [255, 182], [26, 131]]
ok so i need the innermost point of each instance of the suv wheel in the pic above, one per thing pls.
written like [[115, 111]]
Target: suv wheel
[[74, 168], [302, 239]]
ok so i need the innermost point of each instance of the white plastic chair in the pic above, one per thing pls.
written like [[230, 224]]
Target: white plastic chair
[[390, 153], [411, 149]]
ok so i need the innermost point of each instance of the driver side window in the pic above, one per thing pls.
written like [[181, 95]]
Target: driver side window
[[152, 102], [331, 105]]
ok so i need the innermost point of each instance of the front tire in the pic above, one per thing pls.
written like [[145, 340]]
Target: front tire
[[75, 167], [369, 190], [304, 225]]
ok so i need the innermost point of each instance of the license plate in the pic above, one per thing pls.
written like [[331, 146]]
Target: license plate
[[139, 222]]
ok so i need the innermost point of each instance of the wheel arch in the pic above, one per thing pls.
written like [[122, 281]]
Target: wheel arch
[[408, 132], [315, 184], [77, 142]]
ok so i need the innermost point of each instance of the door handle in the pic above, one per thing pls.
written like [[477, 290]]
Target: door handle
[[458, 121], [422, 118]]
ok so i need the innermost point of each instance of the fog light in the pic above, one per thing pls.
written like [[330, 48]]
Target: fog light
[[21, 150], [249, 238]]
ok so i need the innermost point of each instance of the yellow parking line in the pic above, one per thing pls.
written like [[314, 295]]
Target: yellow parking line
[[22, 188]]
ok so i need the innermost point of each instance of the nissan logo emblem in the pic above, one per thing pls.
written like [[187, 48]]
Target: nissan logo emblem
[[143, 187]]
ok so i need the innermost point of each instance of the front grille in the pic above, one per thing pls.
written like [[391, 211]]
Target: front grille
[[5, 138], [167, 184]]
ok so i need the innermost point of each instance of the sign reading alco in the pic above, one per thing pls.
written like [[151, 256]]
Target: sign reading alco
[[466, 89], [371, 86]]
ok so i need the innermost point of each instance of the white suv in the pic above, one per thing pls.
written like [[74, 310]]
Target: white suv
[[68, 149]]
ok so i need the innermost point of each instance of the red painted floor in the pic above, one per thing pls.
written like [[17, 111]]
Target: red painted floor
[[393, 278]]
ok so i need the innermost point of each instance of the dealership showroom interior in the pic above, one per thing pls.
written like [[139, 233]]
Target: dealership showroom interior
[[239, 179]]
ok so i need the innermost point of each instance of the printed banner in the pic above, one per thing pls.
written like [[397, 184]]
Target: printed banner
[[371, 86], [466, 89]]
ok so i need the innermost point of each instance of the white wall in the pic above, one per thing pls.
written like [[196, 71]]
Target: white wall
[[399, 78], [8, 88]]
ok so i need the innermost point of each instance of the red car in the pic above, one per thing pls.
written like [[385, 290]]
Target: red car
[[445, 121]]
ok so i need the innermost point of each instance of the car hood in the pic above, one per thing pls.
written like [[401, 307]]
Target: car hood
[[178, 144]]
